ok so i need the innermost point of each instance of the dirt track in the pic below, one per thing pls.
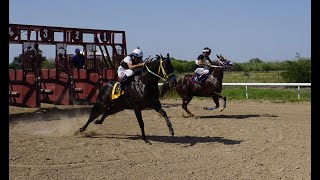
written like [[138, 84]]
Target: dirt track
[[248, 140]]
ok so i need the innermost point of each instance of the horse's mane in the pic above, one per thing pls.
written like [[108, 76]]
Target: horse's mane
[[149, 61]]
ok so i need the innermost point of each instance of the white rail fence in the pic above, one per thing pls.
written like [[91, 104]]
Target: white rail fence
[[265, 84]]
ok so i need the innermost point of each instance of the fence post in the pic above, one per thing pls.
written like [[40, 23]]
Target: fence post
[[299, 92], [247, 95]]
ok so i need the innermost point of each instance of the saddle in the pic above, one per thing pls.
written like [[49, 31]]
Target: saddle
[[198, 79]]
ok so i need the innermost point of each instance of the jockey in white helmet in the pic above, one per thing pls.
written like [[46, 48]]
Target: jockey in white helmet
[[130, 66], [201, 63]]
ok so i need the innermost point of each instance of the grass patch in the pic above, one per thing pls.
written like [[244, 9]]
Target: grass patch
[[274, 94], [252, 77]]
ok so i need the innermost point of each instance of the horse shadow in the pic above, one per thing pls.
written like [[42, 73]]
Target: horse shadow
[[239, 116], [169, 105], [186, 140]]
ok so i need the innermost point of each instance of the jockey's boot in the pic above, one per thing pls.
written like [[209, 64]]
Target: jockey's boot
[[196, 78], [202, 80], [123, 83]]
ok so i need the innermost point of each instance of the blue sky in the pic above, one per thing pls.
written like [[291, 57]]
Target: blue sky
[[272, 30]]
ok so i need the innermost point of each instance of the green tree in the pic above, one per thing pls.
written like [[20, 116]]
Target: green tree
[[17, 61], [266, 67], [255, 60], [237, 67], [182, 66], [298, 71], [177, 65], [48, 64]]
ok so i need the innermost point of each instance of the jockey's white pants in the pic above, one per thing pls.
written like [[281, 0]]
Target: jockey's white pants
[[201, 71], [125, 72]]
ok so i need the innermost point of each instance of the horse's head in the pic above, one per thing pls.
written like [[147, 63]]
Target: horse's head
[[162, 68], [223, 62]]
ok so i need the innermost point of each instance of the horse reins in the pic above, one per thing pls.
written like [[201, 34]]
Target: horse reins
[[162, 70], [214, 66]]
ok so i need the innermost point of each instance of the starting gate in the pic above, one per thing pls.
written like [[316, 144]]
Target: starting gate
[[31, 85]]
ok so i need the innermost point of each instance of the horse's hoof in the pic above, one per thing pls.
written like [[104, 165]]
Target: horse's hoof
[[221, 109], [183, 115], [172, 133], [189, 115], [209, 108], [144, 138], [82, 129], [147, 142]]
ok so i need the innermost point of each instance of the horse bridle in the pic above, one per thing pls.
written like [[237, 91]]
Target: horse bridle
[[161, 68], [214, 66], [222, 65]]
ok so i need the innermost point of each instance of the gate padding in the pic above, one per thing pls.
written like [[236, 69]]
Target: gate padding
[[85, 86], [108, 75], [56, 87], [22, 89]]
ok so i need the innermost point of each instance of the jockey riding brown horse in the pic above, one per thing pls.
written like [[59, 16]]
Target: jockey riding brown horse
[[212, 87]]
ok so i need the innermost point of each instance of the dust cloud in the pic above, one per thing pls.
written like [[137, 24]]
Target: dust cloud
[[58, 126]]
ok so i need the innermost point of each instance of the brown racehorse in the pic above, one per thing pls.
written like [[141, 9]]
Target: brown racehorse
[[212, 87]]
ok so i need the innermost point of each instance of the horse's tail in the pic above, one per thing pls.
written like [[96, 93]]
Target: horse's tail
[[184, 80], [164, 89], [105, 92]]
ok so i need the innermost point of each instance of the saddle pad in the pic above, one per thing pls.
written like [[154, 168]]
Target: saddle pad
[[193, 79], [116, 91]]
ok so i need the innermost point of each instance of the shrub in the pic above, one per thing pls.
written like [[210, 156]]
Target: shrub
[[297, 71]]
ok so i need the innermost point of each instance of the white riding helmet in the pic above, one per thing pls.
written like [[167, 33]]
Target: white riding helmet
[[137, 53], [206, 49]]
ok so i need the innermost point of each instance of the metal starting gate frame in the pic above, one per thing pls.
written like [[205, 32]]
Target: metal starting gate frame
[[31, 85]]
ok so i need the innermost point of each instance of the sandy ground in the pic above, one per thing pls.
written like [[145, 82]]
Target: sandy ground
[[248, 140]]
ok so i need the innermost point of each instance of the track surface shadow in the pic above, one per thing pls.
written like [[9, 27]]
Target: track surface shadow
[[239, 116], [187, 140], [168, 105]]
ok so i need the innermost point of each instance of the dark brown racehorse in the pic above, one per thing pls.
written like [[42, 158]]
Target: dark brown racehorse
[[142, 93], [186, 88]]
